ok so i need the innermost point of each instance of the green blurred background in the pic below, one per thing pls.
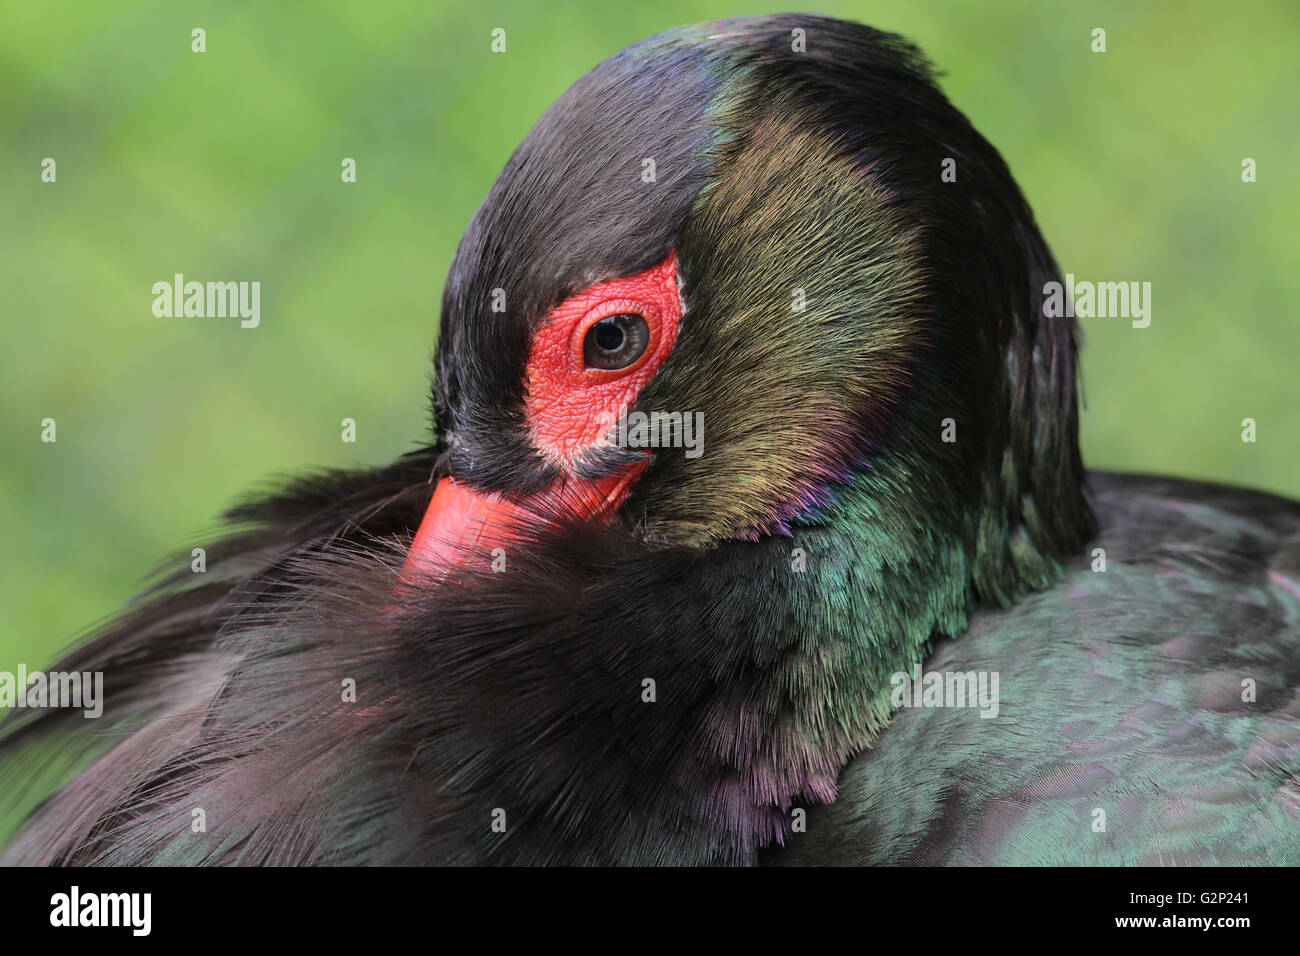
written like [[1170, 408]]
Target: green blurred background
[[225, 165]]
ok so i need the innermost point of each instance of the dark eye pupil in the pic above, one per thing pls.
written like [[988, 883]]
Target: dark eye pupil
[[616, 341], [608, 336]]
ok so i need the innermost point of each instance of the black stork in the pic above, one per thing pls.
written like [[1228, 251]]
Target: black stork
[[544, 638]]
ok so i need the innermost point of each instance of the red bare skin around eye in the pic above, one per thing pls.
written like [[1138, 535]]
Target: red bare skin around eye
[[571, 406]]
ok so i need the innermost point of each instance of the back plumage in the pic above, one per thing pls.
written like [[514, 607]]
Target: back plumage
[[1148, 712]]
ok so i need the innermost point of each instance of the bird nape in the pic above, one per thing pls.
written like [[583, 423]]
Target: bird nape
[[531, 643]]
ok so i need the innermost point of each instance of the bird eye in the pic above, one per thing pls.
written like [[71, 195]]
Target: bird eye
[[616, 341]]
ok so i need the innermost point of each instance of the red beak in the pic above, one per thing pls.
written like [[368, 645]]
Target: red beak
[[463, 524]]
